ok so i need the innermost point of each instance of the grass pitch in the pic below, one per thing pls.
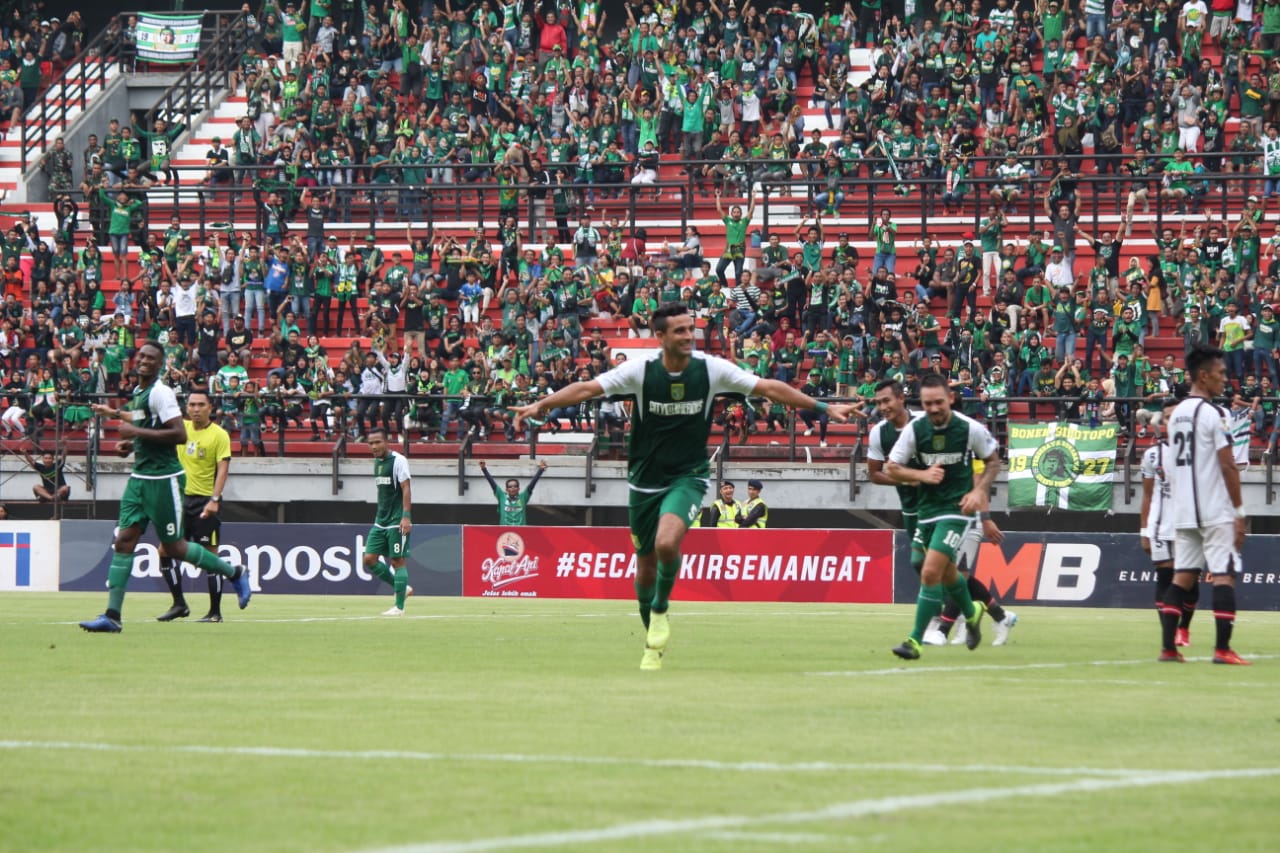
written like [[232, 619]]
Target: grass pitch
[[307, 723]]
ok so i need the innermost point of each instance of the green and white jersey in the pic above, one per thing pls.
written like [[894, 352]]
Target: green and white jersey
[[672, 415], [152, 407], [954, 447], [884, 436], [390, 473], [511, 510]]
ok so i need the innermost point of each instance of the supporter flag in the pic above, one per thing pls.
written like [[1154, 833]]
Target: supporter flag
[[169, 38], [1063, 465]]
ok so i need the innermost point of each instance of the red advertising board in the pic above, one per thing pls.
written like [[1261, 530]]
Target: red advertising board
[[854, 566]]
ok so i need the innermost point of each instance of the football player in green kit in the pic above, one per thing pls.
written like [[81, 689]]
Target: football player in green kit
[[668, 470], [152, 428], [389, 535], [937, 452]]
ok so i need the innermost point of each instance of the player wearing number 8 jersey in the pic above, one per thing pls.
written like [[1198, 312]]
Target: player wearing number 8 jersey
[[668, 471], [151, 425], [389, 535], [936, 452], [1208, 511]]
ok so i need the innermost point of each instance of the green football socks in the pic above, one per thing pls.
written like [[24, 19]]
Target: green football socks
[[644, 595], [117, 580], [666, 580], [401, 583], [959, 593], [928, 605], [202, 558], [382, 571]]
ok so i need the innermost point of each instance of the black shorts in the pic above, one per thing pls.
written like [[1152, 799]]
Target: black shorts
[[202, 531]]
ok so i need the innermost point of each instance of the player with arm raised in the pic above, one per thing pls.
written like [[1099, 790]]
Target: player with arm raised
[[668, 471], [1208, 509], [937, 451], [151, 426]]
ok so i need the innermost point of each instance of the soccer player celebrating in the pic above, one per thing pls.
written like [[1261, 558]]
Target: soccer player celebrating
[[937, 451], [206, 459], [152, 428], [1157, 530], [668, 469], [1208, 511], [389, 536], [513, 504]]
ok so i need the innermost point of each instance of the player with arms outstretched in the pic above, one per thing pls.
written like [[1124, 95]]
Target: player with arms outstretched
[[937, 451], [1208, 510], [668, 470]]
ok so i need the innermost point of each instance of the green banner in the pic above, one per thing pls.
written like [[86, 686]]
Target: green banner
[[1062, 465], [169, 38]]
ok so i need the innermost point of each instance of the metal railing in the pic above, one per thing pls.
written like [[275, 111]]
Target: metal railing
[[67, 90], [224, 38]]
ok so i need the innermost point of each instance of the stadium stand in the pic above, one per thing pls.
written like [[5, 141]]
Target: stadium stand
[[423, 220]]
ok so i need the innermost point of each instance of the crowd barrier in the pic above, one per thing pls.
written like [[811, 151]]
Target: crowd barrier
[[830, 566]]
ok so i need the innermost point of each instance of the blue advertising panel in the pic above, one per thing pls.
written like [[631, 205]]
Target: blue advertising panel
[[1090, 570], [281, 558]]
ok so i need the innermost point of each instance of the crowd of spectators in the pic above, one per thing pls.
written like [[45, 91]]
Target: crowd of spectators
[[383, 104]]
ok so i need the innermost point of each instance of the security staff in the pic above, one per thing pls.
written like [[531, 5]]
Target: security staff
[[206, 459], [725, 511], [755, 512]]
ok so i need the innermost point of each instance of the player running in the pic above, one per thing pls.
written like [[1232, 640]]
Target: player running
[[1209, 517], [152, 428], [937, 451], [668, 471], [890, 402]]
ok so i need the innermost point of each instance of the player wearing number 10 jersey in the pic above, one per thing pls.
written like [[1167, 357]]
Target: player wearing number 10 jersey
[[1208, 511], [937, 452]]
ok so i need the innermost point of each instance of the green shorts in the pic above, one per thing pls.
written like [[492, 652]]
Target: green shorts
[[683, 498], [156, 501], [386, 542], [944, 536]]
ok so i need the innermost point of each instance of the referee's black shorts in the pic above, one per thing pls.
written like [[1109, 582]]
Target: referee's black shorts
[[202, 531]]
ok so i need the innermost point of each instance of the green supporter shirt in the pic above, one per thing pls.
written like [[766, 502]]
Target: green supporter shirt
[[735, 231], [672, 415], [953, 446], [884, 436], [390, 474], [151, 407]]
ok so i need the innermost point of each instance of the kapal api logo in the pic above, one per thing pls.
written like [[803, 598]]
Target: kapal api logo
[[1056, 464], [511, 565]]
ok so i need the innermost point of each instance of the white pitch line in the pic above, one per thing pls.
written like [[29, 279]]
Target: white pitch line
[[584, 760], [775, 837], [836, 812], [1009, 667]]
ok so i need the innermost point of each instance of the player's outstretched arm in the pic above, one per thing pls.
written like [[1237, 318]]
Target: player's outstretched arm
[[781, 392], [569, 395]]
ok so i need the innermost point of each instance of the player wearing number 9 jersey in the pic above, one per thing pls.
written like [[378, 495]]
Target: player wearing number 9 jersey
[[1208, 511]]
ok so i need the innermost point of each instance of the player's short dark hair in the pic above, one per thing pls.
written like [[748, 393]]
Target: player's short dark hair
[[376, 431], [151, 343], [1200, 357], [935, 380], [512, 482], [666, 311], [894, 386], [199, 392]]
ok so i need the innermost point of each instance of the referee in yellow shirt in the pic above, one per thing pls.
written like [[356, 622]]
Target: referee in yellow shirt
[[206, 459]]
